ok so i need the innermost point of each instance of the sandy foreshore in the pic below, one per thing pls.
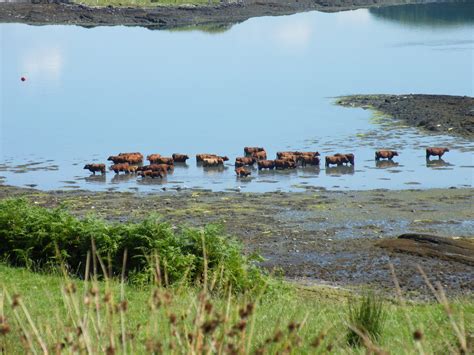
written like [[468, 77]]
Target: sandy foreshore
[[319, 237], [452, 115]]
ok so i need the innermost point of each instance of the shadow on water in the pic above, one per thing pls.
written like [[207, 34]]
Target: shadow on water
[[384, 164], [432, 15], [437, 163], [118, 178], [340, 170], [96, 179]]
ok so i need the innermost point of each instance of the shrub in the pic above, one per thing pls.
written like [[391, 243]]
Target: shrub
[[366, 319], [33, 235]]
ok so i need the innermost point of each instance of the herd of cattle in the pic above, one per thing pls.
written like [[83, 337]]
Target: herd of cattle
[[159, 166]]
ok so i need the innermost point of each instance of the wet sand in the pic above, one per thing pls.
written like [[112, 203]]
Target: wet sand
[[318, 237], [164, 17], [453, 115]]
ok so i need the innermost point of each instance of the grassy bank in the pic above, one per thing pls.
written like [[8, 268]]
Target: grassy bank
[[72, 314], [53, 310]]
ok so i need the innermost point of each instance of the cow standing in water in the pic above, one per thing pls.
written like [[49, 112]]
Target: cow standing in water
[[435, 151]]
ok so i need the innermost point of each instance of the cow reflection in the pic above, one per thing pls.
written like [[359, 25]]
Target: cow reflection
[[437, 163], [95, 179], [117, 178], [384, 164], [340, 170]]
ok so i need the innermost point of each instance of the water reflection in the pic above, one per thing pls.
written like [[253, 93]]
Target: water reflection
[[384, 164], [428, 15], [119, 178], [151, 181], [209, 28], [340, 170], [96, 179], [437, 163]]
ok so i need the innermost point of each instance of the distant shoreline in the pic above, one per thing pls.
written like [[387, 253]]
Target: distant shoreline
[[453, 115], [167, 17]]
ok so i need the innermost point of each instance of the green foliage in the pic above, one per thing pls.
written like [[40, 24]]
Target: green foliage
[[366, 319], [32, 235]]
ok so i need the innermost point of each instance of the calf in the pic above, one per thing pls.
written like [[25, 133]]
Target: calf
[[436, 151], [266, 164], [285, 164], [242, 161], [93, 168], [250, 150], [164, 168], [117, 168], [242, 172], [385, 154], [180, 158], [152, 174], [132, 169], [210, 162]]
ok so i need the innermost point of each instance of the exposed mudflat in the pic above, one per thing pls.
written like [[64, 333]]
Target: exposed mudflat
[[445, 114], [162, 17], [313, 237]]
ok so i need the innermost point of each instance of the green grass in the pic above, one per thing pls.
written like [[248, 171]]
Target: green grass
[[305, 321], [208, 298], [145, 3]]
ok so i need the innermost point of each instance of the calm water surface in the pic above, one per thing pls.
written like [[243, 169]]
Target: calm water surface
[[268, 81]]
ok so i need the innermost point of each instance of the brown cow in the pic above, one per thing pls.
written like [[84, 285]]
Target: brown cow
[[280, 155], [242, 172], [262, 155], [131, 159], [308, 159], [266, 164], [436, 151], [152, 157], [284, 164], [242, 161], [138, 154], [162, 160], [200, 157], [210, 162], [336, 160], [287, 156], [93, 168], [117, 168], [385, 154], [118, 159], [180, 158], [348, 157], [250, 150]]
